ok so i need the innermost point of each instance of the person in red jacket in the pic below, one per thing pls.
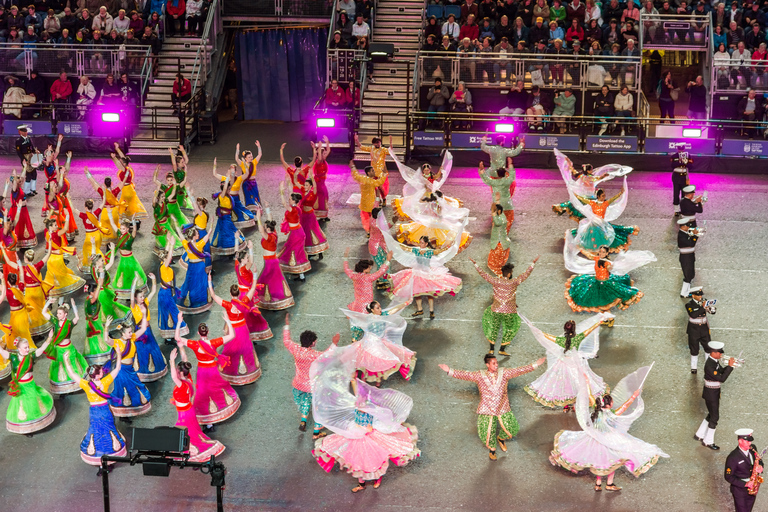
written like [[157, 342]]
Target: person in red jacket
[[61, 89], [175, 11], [469, 29], [334, 96], [182, 92], [353, 96]]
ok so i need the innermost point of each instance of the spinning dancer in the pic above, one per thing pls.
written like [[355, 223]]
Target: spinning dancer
[[61, 349], [102, 436], [25, 232], [193, 297], [275, 294], [500, 186], [680, 180], [20, 321], [503, 312], [714, 376], [129, 269], [379, 350], [319, 174], [698, 325], [30, 408], [167, 297], [35, 289], [296, 175], [596, 229], [368, 186], [500, 242], [163, 227], [377, 248], [111, 214], [315, 243], [255, 323], [363, 279], [201, 447], [603, 445], [243, 367], [567, 357], [494, 400], [215, 401], [304, 354], [250, 186], [58, 276], [173, 194], [426, 274], [368, 424], [152, 364], [94, 233], [293, 255], [133, 207], [379, 164], [130, 397], [108, 305], [243, 217], [96, 351], [179, 162]]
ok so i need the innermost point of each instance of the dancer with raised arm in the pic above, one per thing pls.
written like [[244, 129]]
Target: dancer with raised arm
[[368, 186], [319, 175], [58, 276], [36, 289], [96, 351], [129, 269], [500, 242], [379, 164], [193, 297], [94, 234], [248, 165], [110, 214], [162, 228], [133, 206], [226, 237], [249, 302], [152, 364], [304, 354], [200, 223], [316, 242], [494, 400], [500, 185], [30, 408], [595, 230], [167, 298], [293, 255], [502, 314], [243, 217], [173, 192], [377, 248], [100, 275], [61, 348], [276, 294], [25, 232], [128, 391], [363, 279], [20, 321], [179, 162], [297, 174]]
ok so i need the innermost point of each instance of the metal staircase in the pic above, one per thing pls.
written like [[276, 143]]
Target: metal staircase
[[384, 103]]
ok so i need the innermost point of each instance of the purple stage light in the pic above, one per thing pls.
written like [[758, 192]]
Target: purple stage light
[[326, 122], [110, 117], [504, 128], [694, 133]]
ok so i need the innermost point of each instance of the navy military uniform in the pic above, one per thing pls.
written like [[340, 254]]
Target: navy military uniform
[[686, 244], [680, 161], [25, 148], [738, 470], [689, 208], [714, 376]]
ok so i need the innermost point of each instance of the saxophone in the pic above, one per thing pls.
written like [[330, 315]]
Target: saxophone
[[756, 478]]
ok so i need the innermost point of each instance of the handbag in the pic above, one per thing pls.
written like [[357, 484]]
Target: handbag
[[674, 93]]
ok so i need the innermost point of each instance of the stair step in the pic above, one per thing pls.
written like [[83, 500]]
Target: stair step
[[399, 97], [392, 10], [152, 144], [394, 85], [385, 110]]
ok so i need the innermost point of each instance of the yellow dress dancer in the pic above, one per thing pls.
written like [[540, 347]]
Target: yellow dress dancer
[[94, 234], [5, 341], [61, 279], [114, 207], [36, 290], [133, 206], [19, 323]]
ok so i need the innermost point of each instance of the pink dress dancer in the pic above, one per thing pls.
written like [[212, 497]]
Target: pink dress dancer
[[258, 327], [215, 399], [362, 282], [201, 447], [320, 171], [315, 241], [292, 256], [275, 294]]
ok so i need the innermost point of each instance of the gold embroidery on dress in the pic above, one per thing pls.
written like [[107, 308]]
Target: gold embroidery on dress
[[91, 450], [241, 369], [126, 398], [228, 399], [116, 443], [212, 406], [22, 412]]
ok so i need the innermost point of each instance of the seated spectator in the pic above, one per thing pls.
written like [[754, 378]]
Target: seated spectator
[[504, 50], [735, 36], [612, 34], [682, 33], [466, 53], [697, 99], [750, 108], [506, 8], [470, 29], [722, 62], [631, 12], [15, 98], [719, 37], [360, 29], [348, 6], [754, 37], [612, 11], [558, 68], [504, 29], [335, 97], [129, 93], [134, 58], [86, 94], [337, 42], [446, 47], [734, 14], [148, 38], [753, 15], [539, 32], [110, 91], [122, 23], [451, 28], [14, 19], [157, 25], [539, 68], [555, 32], [487, 9], [136, 24], [175, 12], [102, 22], [573, 67], [182, 92], [365, 7], [517, 100], [614, 66], [575, 10], [99, 55], [574, 32], [740, 60], [486, 65], [34, 18], [593, 34], [592, 12], [629, 33], [61, 89], [69, 21], [630, 51], [536, 109], [486, 31], [525, 12], [80, 36], [64, 38], [557, 13], [433, 28], [565, 107], [520, 32], [469, 8], [52, 24], [461, 102], [760, 64], [362, 45], [437, 96], [603, 108], [352, 96], [430, 45], [85, 22], [624, 105], [156, 7], [36, 86], [114, 39], [30, 41], [541, 10]]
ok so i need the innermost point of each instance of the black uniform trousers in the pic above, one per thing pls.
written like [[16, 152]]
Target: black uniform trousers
[[698, 335], [712, 400], [688, 264], [679, 181], [741, 499]]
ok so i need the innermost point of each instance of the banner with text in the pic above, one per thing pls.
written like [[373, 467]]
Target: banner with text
[[745, 147], [561, 142], [429, 139], [693, 146], [609, 144]]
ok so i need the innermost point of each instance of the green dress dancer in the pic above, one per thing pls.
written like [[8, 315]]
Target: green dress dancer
[[185, 202], [31, 407], [107, 298], [60, 346], [128, 268], [96, 351], [172, 195], [163, 228]]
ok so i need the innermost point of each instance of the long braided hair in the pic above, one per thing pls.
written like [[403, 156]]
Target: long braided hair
[[600, 404], [570, 332]]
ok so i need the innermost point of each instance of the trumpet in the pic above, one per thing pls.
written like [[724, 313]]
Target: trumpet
[[738, 361]]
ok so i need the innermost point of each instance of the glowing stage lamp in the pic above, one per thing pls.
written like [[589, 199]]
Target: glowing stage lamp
[[693, 133], [326, 122], [504, 128], [110, 117]]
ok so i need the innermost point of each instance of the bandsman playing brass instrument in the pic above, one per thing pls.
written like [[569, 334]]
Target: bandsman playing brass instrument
[[743, 470], [714, 376]]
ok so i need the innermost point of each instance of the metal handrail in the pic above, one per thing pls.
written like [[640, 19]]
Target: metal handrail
[[332, 25], [199, 67]]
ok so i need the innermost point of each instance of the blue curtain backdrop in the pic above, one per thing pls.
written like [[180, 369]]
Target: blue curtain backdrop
[[281, 73]]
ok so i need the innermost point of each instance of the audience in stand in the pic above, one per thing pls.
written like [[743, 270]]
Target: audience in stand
[[86, 95], [182, 92], [335, 97], [360, 30]]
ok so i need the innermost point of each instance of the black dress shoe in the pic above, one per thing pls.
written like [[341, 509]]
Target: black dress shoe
[[693, 371], [697, 438], [712, 446]]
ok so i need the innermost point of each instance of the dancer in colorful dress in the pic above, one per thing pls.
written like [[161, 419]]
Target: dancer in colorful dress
[[129, 269], [172, 191], [500, 187], [603, 284], [243, 367], [200, 222], [58, 201], [167, 297], [102, 436], [35, 288], [275, 294], [162, 228], [369, 184], [494, 401], [61, 348], [363, 279], [133, 207], [100, 274], [368, 424], [152, 365], [604, 444], [595, 230], [250, 186], [30, 408], [319, 175], [114, 207], [58, 275], [96, 351], [379, 350], [94, 233], [296, 175], [20, 321], [499, 154], [5, 342], [201, 447], [242, 216], [193, 297], [179, 162], [8, 243], [503, 312], [379, 164], [129, 392], [315, 242], [293, 255], [304, 354], [425, 275], [500, 242], [249, 302], [215, 401], [226, 237], [25, 232], [567, 357], [377, 248]]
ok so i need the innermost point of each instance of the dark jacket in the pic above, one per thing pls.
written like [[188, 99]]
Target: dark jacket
[[742, 107]]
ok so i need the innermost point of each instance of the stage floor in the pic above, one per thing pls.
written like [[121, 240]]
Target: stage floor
[[268, 460]]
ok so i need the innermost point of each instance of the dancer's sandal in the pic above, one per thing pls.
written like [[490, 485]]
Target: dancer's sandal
[[492, 455], [599, 487], [612, 487], [420, 312], [502, 444], [319, 435], [431, 315], [303, 426], [377, 483], [360, 487]]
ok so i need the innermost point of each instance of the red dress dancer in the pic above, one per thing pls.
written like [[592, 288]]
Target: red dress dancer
[[362, 281], [25, 232], [315, 242], [292, 256], [297, 174], [8, 245], [275, 294], [257, 326], [215, 401], [57, 206], [243, 367], [320, 170], [201, 447]]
